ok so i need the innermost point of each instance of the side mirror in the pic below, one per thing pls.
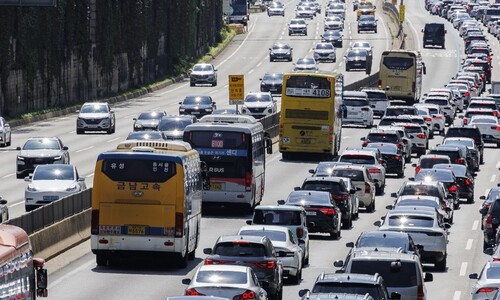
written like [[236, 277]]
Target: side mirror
[[411, 179], [422, 30], [363, 138], [350, 245], [281, 202], [377, 223], [447, 225], [180, 102], [352, 191], [394, 195], [473, 276], [207, 251], [389, 207], [311, 171], [281, 253], [77, 111], [18, 148], [297, 188], [414, 165], [338, 263], [135, 119], [249, 222], [302, 293], [482, 197], [382, 218], [3, 201], [27, 178], [449, 196], [186, 281], [358, 189], [395, 296], [65, 148], [81, 179]]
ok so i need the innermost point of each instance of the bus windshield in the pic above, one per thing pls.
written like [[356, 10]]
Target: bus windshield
[[308, 87]]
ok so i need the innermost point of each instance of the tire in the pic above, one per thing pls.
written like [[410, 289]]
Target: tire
[[456, 205], [296, 279], [182, 260], [371, 208], [347, 224], [101, 260], [498, 144], [470, 199], [277, 296], [215, 83], [441, 266], [270, 59], [79, 131], [401, 174], [334, 235], [19, 176], [191, 83]]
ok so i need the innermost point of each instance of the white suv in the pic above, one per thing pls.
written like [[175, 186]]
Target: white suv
[[357, 111], [438, 118], [203, 73], [325, 52], [95, 116], [372, 159], [361, 178], [259, 104]]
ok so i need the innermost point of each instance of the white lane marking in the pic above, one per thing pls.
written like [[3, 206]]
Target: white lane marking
[[493, 177], [172, 90], [9, 175], [227, 85], [16, 204], [457, 295], [475, 225], [71, 274], [214, 91], [84, 149], [415, 32], [112, 140], [242, 43], [251, 71], [463, 268], [90, 175], [346, 137], [259, 64], [70, 132], [469, 244], [498, 165]]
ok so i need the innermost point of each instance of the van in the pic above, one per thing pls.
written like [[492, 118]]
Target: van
[[434, 35], [402, 272]]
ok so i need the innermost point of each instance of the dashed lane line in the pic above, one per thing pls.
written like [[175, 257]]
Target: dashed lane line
[[469, 244], [84, 149], [463, 269]]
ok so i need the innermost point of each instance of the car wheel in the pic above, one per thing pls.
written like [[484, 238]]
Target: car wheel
[[371, 208], [296, 279], [20, 176], [183, 259], [346, 224], [441, 266], [470, 199], [114, 129], [456, 205], [101, 260], [79, 131], [498, 145], [191, 83], [334, 235], [401, 173]]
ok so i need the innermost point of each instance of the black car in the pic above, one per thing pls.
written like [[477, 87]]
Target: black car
[[434, 35], [197, 106], [256, 252], [334, 37], [339, 192], [280, 51], [465, 180], [456, 154], [469, 132], [446, 177], [491, 217], [393, 156], [356, 59], [383, 136], [172, 127], [386, 241], [483, 64], [148, 120], [367, 23], [145, 135], [322, 214], [272, 82]]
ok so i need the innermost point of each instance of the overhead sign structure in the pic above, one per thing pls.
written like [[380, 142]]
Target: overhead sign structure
[[236, 89], [401, 13], [28, 3]]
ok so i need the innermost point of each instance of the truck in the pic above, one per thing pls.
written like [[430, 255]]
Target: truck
[[236, 11]]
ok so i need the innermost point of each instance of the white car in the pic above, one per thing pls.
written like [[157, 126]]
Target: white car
[[203, 74], [228, 281], [360, 177], [306, 12], [297, 26], [489, 128], [5, 133], [357, 111], [325, 52], [50, 183], [487, 283], [448, 108], [438, 118], [276, 9], [333, 23], [418, 136], [306, 64], [95, 116], [364, 45], [469, 113], [370, 158], [283, 240], [259, 104]]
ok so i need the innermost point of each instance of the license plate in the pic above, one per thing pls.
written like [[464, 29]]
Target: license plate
[[310, 213], [216, 186], [195, 112], [50, 198], [305, 141], [136, 230]]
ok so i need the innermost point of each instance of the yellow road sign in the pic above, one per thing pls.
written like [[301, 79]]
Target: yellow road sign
[[401, 13], [236, 89]]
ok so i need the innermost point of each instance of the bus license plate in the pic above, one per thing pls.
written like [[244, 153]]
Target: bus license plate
[[310, 213], [216, 186], [137, 230], [305, 141]]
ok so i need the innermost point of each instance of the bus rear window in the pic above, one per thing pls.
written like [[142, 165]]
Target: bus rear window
[[398, 63], [138, 170], [308, 86]]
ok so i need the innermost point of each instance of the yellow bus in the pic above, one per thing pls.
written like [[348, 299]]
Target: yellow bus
[[146, 200], [401, 73], [310, 117]]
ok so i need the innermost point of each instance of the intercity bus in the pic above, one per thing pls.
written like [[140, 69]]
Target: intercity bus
[[401, 73], [147, 200], [21, 275], [311, 115], [232, 146]]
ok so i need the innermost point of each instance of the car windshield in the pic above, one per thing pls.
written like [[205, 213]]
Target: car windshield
[[348, 287], [483, 120], [494, 194], [272, 77], [355, 175], [468, 143], [471, 113], [258, 98], [276, 47], [296, 22], [54, 173], [404, 276], [41, 144], [276, 5], [357, 53], [411, 202], [331, 34], [458, 170], [221, 277], [424, 190], [383, 240], [383, 137], [358, 159], [174, 124], [356, 102], [323, 46], [367, 18], [276, 217], [427, 163], [384, 148], [202, 68], [411, 221], [145, 135], [361, 45], [301, 199], [275, 236], [151, 116], [237, 248], [94, 108], [197, 100], [305, 61]]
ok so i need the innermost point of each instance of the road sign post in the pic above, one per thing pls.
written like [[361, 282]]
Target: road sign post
[[236, 90], [401, 13]]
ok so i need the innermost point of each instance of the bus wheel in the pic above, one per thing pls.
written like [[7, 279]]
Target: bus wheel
[[101, 260], [182, 260]]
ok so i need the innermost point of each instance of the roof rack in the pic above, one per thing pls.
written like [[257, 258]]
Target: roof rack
[[150, 146]]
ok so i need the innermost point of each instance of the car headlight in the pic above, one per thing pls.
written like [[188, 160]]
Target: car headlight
[[73, 187], [181, 109], [20, 158], [31, 188], [59, 157], [208, 109], [138, 126]]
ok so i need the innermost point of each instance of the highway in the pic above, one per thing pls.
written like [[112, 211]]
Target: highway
[[74, 274]]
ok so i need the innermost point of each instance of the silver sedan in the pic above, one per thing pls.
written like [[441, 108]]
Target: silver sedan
[[487, 281], [228, 281]]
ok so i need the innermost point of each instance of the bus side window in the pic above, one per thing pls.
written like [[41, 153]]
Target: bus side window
[[269, 144], [204, 174]]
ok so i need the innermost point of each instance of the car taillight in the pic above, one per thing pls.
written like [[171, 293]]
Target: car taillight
[[488, 222], [248, 181], [379, 84], [94, 223], [420, 292], [365, 109], [397, 157], [495, 127], [179, 224], [496, 259], [339, 197], [453, 188], [398, 145], [265, 264], [487, 290], [467, 181], [367, 188], [417, 169], [428, 119], [246, 295], [327, 211], [495, 113], [467, 94], [300, 232], [365, 144], [374, 171], [460, 160], [421, 135], [438, 117], [193, 292], [465, 121]]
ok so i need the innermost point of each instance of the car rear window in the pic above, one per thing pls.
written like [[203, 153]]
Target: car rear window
[[325, 186], [226, 277], [424, 190], [382, 138], [427, 163], [356, 102], [358, 159], [387, 241], [355, 175], [469, 132], [400, 111], [406, 276], [348, 288], [276, 217], [440, 102], [453, 155], [240, 248], [410, 202], [413, 129], [411, 221], [435, 176], [273, 235]]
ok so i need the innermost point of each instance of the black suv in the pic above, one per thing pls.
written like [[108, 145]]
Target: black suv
[[457, 155], [383, 136], [256, 252], [197, 106], [349, 283], [272, 82], [469, 132], [340, 194], [434, 35], [394, 157], [491, 219]]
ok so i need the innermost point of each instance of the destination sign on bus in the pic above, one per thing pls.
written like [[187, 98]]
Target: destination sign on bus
[[308, 92], [223, 152]]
